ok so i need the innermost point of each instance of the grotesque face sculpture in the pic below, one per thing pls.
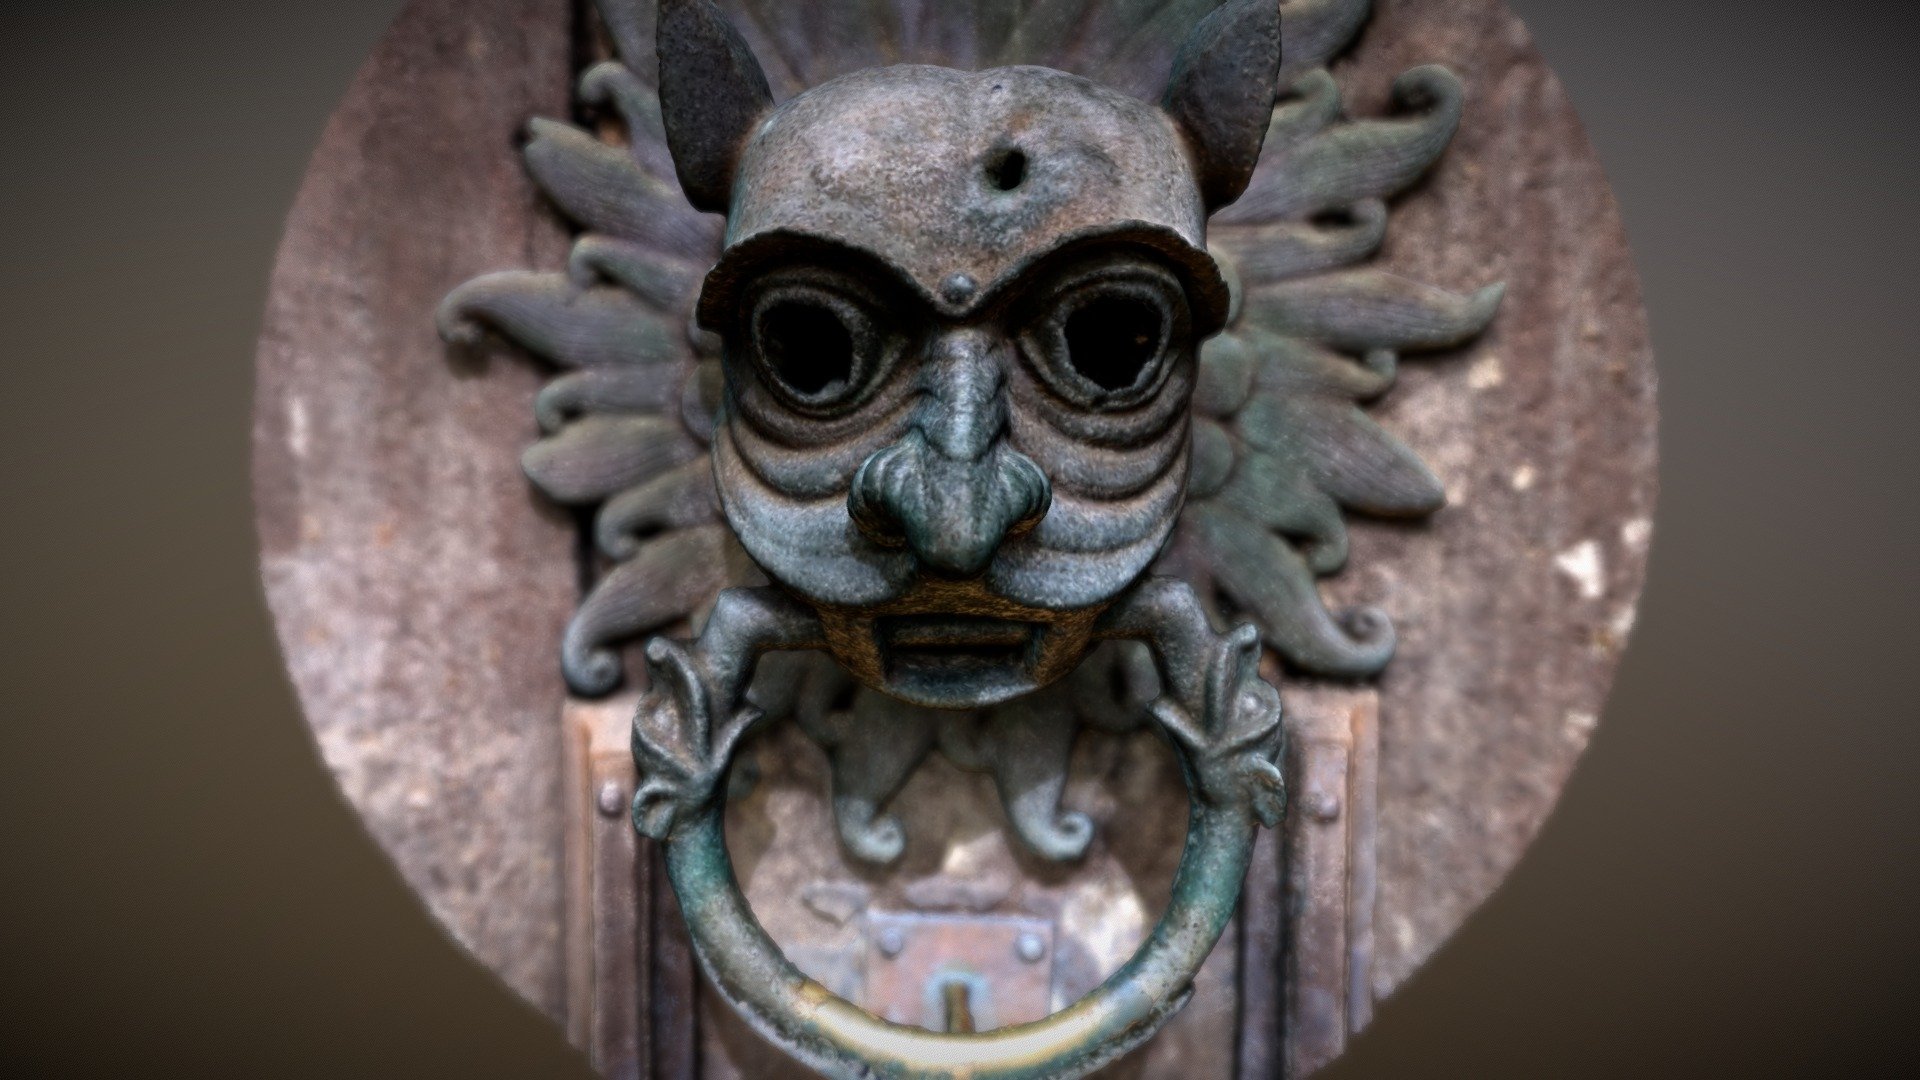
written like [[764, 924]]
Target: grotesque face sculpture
[[947, 392], [961, 313], [952, 325]]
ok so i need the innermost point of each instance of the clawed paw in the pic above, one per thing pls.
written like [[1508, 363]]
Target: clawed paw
[[1233, 734], [681, 752]]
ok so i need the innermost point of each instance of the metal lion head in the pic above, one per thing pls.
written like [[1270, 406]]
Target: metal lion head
[[961, 314]]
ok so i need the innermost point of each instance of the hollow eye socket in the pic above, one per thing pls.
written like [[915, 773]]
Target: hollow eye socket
[[815, 347], [806, 347], [1106, 338], [1112, 339]]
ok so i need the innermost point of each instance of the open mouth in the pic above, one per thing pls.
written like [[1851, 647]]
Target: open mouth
[[963, 659]]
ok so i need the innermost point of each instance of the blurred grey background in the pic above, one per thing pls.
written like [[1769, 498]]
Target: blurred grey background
[[1728, 889]]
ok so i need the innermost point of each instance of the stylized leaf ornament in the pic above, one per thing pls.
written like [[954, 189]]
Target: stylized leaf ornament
[[1283, 448]]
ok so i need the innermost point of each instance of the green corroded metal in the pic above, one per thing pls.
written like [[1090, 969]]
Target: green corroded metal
[[844, 1041], [1282, 448], [1037, 340], [1222, 719]]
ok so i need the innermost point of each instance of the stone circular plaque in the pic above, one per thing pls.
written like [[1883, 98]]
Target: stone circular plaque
[[422, 586]]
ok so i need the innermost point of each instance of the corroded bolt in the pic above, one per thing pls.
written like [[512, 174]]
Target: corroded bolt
[[1029, 947], [958, 288], [612, 800]]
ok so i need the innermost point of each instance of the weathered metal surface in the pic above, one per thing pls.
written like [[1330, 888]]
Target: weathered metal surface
[[885, 231], [957, 973], [1253, 1013], [1214, 707], [811, 893], [896, 199], [1545, 446], [1022, 204]]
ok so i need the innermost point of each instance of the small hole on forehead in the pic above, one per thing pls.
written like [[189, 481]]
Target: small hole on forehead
[[1007, 170]]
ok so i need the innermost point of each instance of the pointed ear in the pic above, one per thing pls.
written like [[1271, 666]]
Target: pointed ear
[[1225, 80], [712, 95]]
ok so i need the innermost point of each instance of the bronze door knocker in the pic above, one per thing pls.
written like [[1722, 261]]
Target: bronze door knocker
[[968, 387], [977, 442]]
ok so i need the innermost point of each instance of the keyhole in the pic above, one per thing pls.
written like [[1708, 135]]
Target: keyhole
[[958, 999]]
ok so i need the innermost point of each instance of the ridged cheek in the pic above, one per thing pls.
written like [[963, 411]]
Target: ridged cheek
[[1084, 554], [1118, 479], [1099, 473], [809, 544], [807, 457], [1076, 525], [1116, 496], [1102, 455]]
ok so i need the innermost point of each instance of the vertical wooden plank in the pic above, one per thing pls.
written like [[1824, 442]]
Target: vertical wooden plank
[[578, 906], [1307, 909], [644, 913], [619, 953], [1363, 830], [1320, 761], [607, 957]]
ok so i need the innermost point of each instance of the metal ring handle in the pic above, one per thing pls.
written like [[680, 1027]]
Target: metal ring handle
[[1227, 755], [840, 1039]]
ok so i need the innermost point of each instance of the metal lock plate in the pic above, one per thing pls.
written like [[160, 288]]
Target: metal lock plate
[[958, 972]]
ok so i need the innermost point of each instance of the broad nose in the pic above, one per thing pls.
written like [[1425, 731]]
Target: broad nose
[[952, 490]]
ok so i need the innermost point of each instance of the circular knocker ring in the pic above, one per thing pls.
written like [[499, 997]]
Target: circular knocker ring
[[1222, 719]]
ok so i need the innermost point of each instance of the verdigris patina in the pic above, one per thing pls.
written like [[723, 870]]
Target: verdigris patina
[[962, 372]]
